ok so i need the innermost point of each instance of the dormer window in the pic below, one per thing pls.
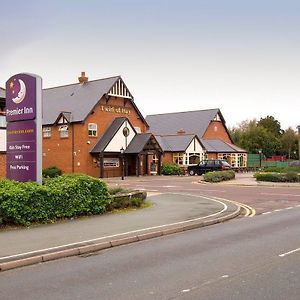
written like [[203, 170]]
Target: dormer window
[[92, 129], [64, 131]]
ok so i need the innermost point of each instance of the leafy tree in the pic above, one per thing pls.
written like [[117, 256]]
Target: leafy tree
[[289, 142], [271, 124], [254, 138], [259, 138]]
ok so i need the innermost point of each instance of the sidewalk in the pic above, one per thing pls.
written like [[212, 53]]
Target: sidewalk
[[169, 213]]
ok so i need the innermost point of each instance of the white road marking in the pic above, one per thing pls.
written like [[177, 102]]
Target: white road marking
[[276, 194], [186, 291], [171, 186], [266, 213], [290, 252], [289, 207]]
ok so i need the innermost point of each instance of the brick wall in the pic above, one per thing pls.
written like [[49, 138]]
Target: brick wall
[[167, 158], [74, 150], [217, 130], [2, 165]]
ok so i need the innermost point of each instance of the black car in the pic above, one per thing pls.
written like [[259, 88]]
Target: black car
[[208, 166]]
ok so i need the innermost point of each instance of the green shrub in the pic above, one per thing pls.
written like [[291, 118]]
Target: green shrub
[[219, 176], [121, 201], [277, 177], [60, 197], [171, 169], [118, 190], [51, 172], [282, 169]]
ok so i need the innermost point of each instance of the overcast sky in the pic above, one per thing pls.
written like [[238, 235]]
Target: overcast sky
[[242, 56]]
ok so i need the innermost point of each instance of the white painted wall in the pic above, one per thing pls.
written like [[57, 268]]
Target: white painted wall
[[2, 139], [118, 141], [190, 148]]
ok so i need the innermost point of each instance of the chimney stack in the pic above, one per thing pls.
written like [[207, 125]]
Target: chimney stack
[[181, 132], [83, 78]]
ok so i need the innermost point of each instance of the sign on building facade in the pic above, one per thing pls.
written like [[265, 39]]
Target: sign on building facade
[[24, 126]]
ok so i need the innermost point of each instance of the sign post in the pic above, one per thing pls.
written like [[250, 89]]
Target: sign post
[[24, 127]]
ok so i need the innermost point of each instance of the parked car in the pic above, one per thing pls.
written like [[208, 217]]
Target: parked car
[[209, 166]]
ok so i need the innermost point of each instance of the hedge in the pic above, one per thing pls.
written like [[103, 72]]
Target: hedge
[[171, 169], [51, 172], [282, 170], [219, 176], [278, 177], [65, 196]]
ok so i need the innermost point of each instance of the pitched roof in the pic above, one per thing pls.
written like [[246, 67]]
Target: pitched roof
[[138, 143], [2, 92], [175, 143], [192, 122], [78, 99], [143, 142], [108, 135], [220, 146]]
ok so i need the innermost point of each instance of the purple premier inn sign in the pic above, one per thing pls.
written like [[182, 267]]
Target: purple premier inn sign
[[24, 126]]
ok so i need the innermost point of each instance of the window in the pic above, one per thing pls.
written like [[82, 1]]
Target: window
[[46, 132], [194, 158], [64, 131], [178, 158], [92, 129], [126, 131]]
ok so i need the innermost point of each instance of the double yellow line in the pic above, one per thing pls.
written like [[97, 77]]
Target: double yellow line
[[249, 211]]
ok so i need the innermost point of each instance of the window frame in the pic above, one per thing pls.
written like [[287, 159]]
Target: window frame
[[63, 131], [92, 132], [47, 132]]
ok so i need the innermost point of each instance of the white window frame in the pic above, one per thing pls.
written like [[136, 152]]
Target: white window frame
[[92, 129], [63, 131], [179, 158], [47, 132]]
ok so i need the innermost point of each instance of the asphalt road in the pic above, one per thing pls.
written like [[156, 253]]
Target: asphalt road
[[262, 198], [246, 258]]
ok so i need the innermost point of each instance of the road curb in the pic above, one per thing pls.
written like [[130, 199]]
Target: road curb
[[21, 260]]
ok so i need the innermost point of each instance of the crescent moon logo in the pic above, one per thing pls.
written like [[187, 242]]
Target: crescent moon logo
[[21, 93]]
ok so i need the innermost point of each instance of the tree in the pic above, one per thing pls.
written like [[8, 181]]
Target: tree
[[254, 138], [259, 138], [271, 124], [289, 142]]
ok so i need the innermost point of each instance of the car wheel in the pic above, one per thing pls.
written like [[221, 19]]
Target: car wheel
[[191, 172]]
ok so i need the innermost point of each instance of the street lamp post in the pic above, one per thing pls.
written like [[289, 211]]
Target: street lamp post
[[260, 151], [298, 127], [122, 162]]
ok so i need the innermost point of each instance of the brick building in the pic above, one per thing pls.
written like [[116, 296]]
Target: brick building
[[188, 137], [94, 127]]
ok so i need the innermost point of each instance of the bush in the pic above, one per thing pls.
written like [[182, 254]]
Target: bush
[[171, 169], [118, 190], [60, 197], [278, 177], [51, 172], [121, 201], [219, 176], [282, 170]]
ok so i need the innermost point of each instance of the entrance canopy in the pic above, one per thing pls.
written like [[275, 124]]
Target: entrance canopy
[[142, 144]]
